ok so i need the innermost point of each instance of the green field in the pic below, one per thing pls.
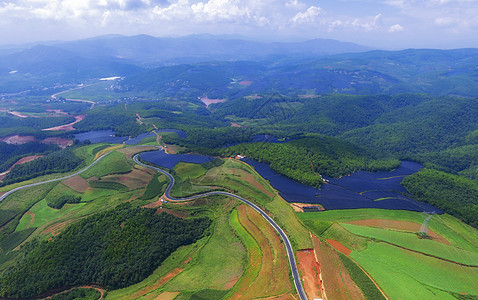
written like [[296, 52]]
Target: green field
[[412, 242], [217, 263], [401, 273], [406, 275], [113, 163], [453, 230]]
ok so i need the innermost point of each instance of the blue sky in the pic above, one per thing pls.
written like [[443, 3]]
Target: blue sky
[[386, 24]]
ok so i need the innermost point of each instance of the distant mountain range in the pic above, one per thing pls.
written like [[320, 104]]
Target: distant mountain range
[[206, 64]]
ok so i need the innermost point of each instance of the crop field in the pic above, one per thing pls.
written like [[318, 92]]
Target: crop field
[[451, 229], [114, 163], [217, 265], [242, 179], [402, 273], [267, 273], [337, 281], [412, 242], [407, 275]]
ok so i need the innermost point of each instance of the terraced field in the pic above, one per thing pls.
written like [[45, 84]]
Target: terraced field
[[386, 244]]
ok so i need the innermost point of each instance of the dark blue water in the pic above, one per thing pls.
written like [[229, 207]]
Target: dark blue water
[[359, 190], [107, 136], [101, 136], [139, 138], [165, 160]]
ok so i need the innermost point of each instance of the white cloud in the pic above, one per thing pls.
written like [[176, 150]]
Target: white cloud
[[395, 28], [309, 16]]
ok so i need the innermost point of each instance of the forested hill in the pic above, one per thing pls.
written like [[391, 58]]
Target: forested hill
[[435, 72]]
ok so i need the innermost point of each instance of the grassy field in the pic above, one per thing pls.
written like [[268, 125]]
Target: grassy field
[[406, 275], [457, 233], [217, 264], [267, 273], [189, 170], [411, 241], [114, 163], [243, 180]]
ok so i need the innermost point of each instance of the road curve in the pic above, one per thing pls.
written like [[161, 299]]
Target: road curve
[[290, 252], [51, 180]]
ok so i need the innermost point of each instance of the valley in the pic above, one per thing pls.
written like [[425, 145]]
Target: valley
[[281, 176]]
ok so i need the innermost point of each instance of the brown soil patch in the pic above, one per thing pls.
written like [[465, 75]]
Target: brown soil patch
[[299, 207], [133, 180], [19, 162], [338, 245], [167, 296], [246, 82], [61, 142], [66, 127], [235, 125], [76, 183], [187, 260], [157, 284], [337, 281], [208, 101], [136, 149], [309, 268], [399, 225], [18, 139], [18, 114], [181, 215]]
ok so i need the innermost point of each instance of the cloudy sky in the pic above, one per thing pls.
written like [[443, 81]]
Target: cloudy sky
[[388, 24]]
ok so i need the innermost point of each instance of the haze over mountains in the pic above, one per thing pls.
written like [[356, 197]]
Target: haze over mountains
[[322, 65]]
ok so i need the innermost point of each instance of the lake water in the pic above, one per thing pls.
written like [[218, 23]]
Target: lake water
[[165, 160], [359, 190], [107, 136]]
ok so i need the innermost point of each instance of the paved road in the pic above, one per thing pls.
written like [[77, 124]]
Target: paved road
[[290, 251], [51, 180]]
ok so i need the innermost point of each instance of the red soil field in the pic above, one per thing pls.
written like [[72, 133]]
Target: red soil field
[[337, 281], [235, 125], [208, 101], [19, 162], [76, 183], [157, 284], [245, 82], [273, 277], [309, 268], [66, 127], [61, 142], [399, 225], [338, 245]]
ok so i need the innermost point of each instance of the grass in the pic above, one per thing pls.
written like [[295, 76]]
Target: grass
[[102, 152], [188, 170], [254, 253], [155, 187], [411, 241], [114, 163], [349, 240], [44, 214], [406, 275], [217, 263], [361, 279], [109, 185], [456, 232], [318, 227]]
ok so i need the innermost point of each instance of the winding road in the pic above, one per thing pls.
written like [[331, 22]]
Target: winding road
[[51, 180], [290, 251]]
